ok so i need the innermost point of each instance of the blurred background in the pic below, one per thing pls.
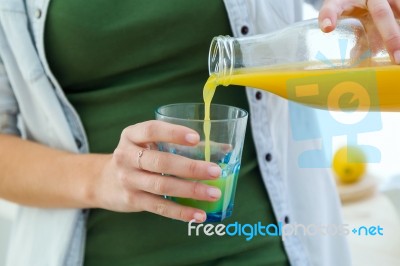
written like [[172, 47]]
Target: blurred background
[[372, 202], [376, 199]]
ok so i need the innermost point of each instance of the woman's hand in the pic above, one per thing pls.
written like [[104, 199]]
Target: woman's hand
[[132, 184], [382, 12]]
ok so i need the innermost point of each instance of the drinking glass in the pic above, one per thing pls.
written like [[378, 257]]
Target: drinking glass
[[228, 127]]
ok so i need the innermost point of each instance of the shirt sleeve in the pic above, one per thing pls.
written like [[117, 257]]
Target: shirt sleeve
[[8, 105]]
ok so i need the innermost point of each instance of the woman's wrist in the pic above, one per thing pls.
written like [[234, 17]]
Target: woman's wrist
[[92, 170]]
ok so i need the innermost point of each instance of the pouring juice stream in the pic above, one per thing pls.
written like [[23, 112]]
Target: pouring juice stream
[[208, 94]]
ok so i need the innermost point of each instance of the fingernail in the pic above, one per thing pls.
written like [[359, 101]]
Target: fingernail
[[199, 217], [214, 192], [396, 56], [214, 171], [227, 147], [192, 138], [326, 23]]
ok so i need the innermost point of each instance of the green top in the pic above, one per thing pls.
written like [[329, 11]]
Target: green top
[[119, 60]]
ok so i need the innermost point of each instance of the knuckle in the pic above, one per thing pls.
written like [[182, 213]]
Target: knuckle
[[173, 133], [379, 10], [160, 208], [131, 201], [119, 156], [192, 168], [327, 8], [158, 163], [183, 216], [158, 185], [196, 188], [393, 41], [127, 199], [125, 132], [149, 129], [123, 178]]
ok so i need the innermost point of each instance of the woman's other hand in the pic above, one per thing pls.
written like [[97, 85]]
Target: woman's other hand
[[382, 12]]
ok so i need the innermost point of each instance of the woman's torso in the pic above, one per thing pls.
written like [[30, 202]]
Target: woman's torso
[[133, 57]]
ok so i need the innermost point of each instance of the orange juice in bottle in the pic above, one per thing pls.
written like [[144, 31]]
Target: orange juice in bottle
[[347, 69], [322, 70]]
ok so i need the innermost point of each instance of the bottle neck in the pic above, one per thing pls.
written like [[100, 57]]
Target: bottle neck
[[221, 59]]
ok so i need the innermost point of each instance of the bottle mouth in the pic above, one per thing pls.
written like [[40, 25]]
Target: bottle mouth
[[221, 57]]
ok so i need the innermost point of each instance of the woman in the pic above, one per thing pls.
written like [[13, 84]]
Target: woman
[[77, 74]]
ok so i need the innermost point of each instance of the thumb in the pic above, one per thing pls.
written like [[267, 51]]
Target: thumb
[[328, 15]]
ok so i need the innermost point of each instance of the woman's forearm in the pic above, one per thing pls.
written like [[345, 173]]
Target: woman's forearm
[[129, 180], [36, 175]]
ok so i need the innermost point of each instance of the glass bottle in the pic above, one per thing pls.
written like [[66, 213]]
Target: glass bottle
[[348, 69]]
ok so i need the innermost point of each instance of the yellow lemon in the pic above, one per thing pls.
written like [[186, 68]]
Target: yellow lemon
[[349, 164]]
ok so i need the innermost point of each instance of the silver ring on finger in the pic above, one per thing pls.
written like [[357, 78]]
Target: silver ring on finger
[[139, 156]]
